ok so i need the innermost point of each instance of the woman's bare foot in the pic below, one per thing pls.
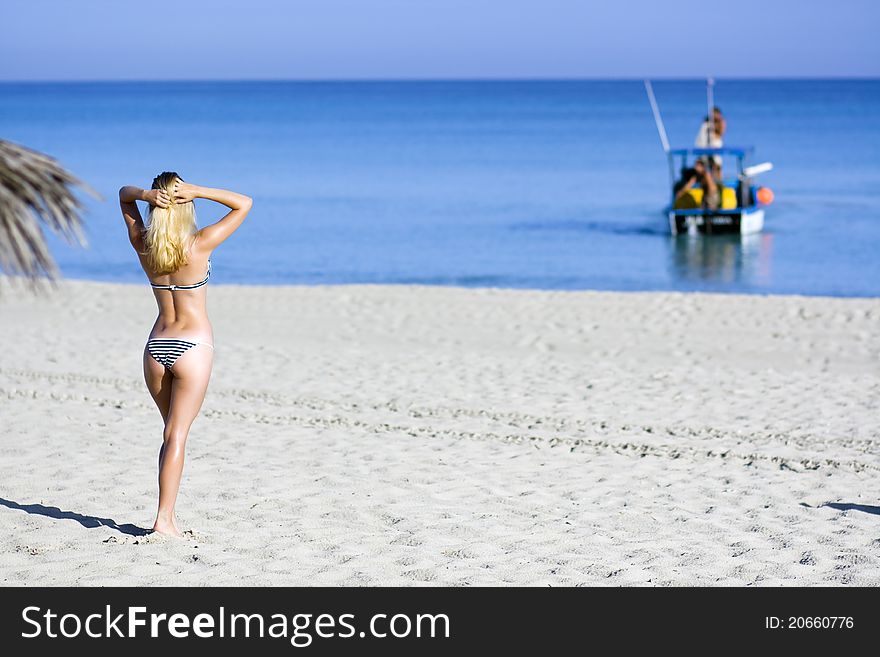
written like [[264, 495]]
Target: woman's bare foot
[[166, 526]]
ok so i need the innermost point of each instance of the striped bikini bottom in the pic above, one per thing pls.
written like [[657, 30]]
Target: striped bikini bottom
[[167, 350]]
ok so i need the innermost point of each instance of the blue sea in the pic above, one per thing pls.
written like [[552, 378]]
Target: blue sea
[[520, 184]]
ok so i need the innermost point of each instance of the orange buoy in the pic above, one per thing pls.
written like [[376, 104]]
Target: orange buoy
[[765, 195]]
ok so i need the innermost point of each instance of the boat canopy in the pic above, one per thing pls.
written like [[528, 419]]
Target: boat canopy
[[726, 150]]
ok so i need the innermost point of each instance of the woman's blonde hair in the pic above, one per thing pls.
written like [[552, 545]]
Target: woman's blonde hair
[[170, 230]]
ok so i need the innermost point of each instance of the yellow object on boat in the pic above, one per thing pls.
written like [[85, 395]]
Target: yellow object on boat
[[693, 198]]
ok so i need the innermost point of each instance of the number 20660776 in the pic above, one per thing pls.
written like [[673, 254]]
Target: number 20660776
[[808, 622]]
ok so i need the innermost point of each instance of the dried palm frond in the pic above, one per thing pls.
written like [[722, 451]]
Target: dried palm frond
[[35, 189]]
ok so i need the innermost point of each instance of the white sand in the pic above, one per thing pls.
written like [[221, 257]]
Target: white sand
[[407, 435]]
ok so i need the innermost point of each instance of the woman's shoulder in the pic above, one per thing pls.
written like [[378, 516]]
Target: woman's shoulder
[[198, 247]]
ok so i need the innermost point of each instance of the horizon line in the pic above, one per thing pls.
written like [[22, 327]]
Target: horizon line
[[660, 78]]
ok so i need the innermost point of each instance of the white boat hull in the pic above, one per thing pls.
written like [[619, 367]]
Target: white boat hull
[[746, 222], [751, 221]]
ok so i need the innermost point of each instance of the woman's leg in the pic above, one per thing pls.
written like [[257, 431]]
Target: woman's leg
[[158, 380], [191, 374]]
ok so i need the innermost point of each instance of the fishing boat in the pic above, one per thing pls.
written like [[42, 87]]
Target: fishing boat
[[741, 202]]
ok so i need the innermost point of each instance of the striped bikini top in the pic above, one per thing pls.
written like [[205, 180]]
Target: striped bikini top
[[156, 286]]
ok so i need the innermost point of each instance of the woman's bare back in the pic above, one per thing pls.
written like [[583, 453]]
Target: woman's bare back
[[182, 311]]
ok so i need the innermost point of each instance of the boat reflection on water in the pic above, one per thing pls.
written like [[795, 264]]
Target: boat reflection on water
[[697, 260]]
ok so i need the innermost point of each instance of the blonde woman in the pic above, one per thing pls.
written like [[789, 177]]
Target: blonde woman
[[179, 354]]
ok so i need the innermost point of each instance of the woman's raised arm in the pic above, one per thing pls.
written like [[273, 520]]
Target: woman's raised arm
[[133, 220], [210, 237]]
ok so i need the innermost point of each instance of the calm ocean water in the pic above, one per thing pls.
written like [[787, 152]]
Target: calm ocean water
[[513, 184]]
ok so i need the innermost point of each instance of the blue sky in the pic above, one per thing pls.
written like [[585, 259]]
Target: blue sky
[[364, 39]]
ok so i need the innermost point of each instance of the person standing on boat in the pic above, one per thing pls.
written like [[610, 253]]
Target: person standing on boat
[[711, 134]]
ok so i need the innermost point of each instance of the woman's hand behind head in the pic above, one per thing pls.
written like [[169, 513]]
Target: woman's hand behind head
[[184, 192], [158, 197]]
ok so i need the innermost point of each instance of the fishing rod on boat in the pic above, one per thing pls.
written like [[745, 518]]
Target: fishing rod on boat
[[661, 129], [710, 116], [658, 120]]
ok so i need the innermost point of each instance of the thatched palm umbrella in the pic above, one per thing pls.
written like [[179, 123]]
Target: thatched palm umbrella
[[35, 190]]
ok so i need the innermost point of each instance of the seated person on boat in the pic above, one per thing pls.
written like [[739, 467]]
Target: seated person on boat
[[709, 190]]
